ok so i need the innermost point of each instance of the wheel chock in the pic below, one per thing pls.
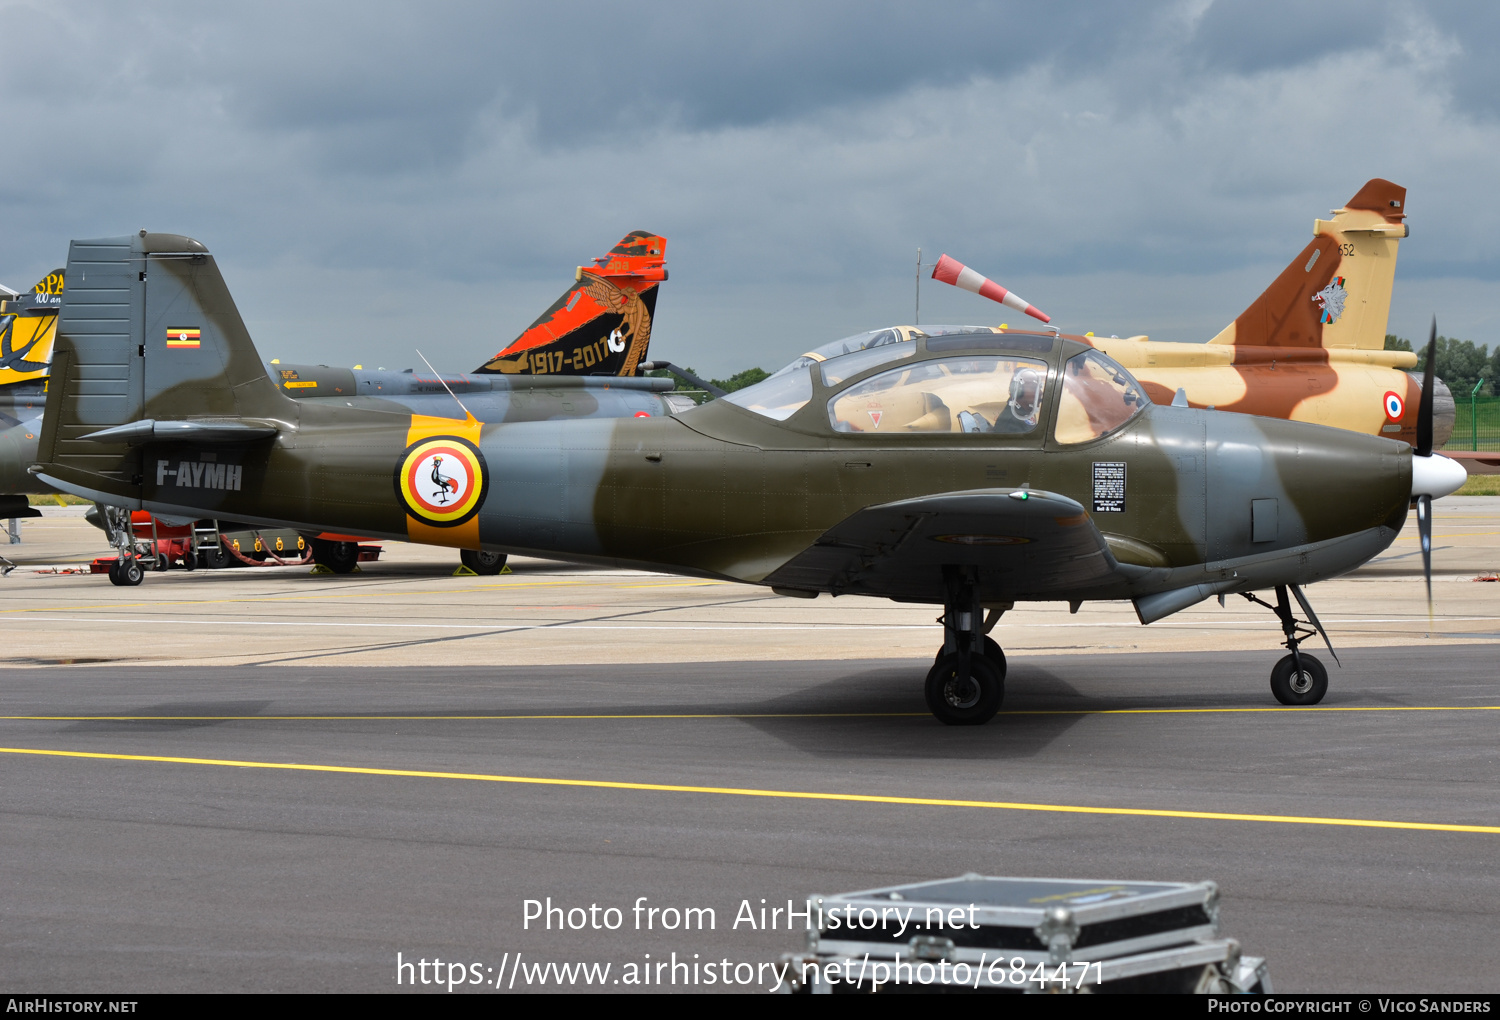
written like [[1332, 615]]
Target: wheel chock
[[464, 571], [506, 569], [318, 568]]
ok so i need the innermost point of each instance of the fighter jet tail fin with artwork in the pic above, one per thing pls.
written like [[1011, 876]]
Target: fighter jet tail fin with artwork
[[1337, 292], [602, 324], [28, 326]]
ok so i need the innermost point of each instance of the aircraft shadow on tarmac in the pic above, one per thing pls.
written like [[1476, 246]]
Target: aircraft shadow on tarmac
[[846, 731], [175, 716]]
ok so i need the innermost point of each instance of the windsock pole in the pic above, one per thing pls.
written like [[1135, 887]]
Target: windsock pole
[[955, 272]]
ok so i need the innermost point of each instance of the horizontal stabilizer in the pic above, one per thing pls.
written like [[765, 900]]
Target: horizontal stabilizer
[[1024, 543], [150, 430]]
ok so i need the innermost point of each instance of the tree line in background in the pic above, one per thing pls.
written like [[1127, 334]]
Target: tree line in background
[[1459, 363], [738, 381]]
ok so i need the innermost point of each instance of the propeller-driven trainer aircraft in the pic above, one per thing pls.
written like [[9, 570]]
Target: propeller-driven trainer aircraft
[[970, 471]]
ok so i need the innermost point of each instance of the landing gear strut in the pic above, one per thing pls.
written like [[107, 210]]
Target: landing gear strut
[[966, 684], [1299, 678], [127, 569]]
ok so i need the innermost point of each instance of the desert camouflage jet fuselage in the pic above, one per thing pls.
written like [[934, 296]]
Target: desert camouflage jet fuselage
[[970, 471]]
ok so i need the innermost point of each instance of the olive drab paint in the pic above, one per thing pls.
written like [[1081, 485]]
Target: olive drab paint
[[1152, 503]]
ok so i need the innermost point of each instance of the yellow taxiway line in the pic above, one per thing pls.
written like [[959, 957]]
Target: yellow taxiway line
[[735, 715], [730, 791]]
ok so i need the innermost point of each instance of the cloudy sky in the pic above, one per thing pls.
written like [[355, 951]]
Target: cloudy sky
[[377, 177]]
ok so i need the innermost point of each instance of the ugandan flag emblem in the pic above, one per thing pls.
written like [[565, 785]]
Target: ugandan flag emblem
[[182, 336]]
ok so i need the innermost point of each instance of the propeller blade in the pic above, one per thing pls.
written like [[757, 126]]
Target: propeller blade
[[1424, 529], [1424, 409]]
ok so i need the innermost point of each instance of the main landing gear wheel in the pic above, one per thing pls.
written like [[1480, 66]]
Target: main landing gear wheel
[[1299, 687], [992, 652], [339, 557], [965, 690], [127, 573], [484, 563]]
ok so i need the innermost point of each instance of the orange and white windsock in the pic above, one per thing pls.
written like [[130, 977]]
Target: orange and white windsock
[[955, 272]]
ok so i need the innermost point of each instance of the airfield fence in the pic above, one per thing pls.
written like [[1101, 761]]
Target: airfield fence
[[1476, 425]]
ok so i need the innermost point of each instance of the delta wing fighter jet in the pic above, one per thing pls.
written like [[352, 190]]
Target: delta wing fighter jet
[[971, 471]]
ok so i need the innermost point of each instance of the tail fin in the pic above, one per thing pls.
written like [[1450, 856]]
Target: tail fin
[[1337, 292], [28, 326], [602, 324], [146, 331]]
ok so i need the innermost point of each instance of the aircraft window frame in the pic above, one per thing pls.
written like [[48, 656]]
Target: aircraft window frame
[[836, 371], [1031, 343], [937, 418], [1078, 421], [852, 344], [792, 392]]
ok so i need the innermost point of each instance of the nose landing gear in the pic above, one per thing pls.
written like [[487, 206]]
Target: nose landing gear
[[1299, 678], [966, 685]]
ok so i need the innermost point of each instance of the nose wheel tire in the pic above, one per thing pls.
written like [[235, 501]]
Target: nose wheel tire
[[965, 690], [1306, 687]]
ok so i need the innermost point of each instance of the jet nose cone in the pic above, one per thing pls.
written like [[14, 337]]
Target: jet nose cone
[[1436, 476]]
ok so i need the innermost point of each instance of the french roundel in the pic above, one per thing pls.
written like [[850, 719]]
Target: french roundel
[[442, 480], [1395, 407]]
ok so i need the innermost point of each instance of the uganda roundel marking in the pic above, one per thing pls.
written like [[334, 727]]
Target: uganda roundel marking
[[442, 480], [1395, 407]]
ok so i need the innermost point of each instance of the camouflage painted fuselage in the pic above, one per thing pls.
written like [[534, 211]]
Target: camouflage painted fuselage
[[1196, 501]]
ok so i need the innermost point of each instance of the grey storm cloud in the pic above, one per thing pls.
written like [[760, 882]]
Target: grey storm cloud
[[373, 172]]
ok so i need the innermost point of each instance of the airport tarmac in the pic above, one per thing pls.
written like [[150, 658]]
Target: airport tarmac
[[407, 609], [262, 779]]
